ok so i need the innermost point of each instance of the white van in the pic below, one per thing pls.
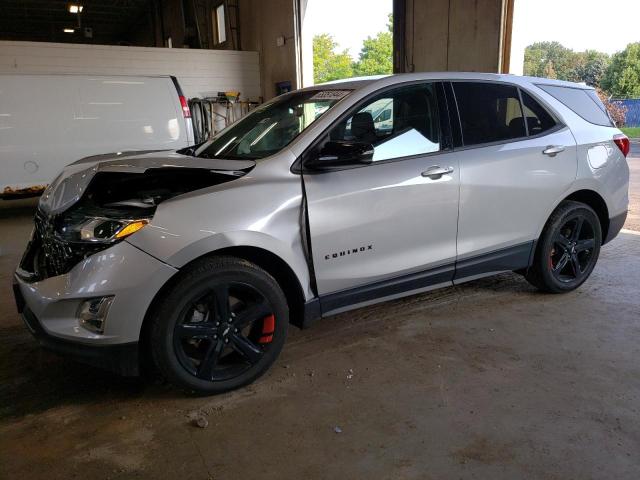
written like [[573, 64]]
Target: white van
[[49, 121]]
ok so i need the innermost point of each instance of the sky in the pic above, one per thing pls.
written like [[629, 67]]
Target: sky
[[348, 21], [607, 26], [604, 25]]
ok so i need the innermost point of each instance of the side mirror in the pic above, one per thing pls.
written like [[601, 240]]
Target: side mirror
[[336, 154]]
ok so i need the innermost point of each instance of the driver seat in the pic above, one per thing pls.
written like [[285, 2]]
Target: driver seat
[[362, 127]]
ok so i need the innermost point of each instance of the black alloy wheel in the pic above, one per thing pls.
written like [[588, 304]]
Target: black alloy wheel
[[221, 334], [567, 250], [573, 247], [221, 325]]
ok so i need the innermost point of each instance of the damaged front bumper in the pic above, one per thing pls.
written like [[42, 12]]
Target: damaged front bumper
[[81, 287], [123, 359], [51, 307]]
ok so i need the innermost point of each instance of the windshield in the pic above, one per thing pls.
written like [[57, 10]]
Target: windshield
[[271, 127]]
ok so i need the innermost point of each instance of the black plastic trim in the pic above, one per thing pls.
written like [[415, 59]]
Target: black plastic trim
[[312, 312], [454, 118], [122, 359], [406, 283], [511, 258], [615, 225]]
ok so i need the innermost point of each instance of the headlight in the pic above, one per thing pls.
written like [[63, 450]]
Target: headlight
[[102, 230]]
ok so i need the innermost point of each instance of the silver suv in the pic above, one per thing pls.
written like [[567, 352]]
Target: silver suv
[[320, 201]]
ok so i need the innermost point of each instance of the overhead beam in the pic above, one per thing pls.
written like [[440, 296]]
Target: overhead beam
[[399, 35]]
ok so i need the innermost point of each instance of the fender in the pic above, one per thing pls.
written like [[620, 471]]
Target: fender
[[579, 185], [220, 241]]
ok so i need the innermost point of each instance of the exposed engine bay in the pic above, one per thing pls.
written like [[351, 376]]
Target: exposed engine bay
[[122, 196], [113, 205]]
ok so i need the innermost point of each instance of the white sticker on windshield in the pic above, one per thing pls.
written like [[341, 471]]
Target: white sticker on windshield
[[331, 94]]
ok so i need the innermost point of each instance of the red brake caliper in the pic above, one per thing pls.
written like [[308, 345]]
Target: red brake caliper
[[268, 327]]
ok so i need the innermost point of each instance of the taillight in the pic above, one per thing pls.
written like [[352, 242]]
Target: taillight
[[186, 113], [622, 142]]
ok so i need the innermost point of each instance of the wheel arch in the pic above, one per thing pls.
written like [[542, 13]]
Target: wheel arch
[[278, 269], [594, 200], [268, 261]]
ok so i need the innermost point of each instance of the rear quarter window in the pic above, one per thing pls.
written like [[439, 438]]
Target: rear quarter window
[[583, 102]]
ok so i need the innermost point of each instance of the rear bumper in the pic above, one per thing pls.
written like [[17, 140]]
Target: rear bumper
[[122, 359], [615, 225]]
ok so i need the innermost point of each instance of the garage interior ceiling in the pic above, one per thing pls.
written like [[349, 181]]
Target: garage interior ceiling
[[112, 21]]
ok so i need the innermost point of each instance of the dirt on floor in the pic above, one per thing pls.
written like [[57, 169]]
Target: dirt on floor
[[490, 379]]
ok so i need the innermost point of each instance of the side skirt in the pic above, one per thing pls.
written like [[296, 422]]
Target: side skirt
[[385, 290], [507, 259]]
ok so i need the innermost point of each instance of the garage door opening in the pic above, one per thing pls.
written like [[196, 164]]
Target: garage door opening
[[346, 39]]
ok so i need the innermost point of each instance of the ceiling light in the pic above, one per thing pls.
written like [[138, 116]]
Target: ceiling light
[[75, 8], [68, 30]]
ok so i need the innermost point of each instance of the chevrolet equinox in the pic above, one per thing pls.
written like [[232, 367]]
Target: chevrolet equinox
[[322, 200]]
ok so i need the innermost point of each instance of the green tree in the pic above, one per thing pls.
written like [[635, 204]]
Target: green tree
[[591, 67], [542, 57], [552, 60], [376, 55], [327, 63], [622, 78]]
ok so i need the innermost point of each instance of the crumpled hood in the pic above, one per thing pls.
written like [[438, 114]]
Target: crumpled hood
[[70, 185]]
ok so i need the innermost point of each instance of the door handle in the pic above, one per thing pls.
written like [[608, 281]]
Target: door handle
[[553, 150], [436, 171]]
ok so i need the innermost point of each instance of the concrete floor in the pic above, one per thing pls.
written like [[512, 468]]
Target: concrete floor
[[488, 380]]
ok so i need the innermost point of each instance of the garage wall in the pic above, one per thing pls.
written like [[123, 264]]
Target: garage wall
[[455, 35], [200, 72], [261, 23]]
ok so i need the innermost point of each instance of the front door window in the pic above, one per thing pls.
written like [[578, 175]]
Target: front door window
[[398, 123]]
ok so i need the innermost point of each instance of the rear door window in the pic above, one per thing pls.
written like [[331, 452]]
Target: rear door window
[[538, 119], [584, 102], [489, 112]]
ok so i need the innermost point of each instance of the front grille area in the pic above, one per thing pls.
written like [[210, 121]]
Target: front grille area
[[55, 256], [47, 255]]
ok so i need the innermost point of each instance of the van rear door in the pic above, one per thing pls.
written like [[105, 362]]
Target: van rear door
[[49, 121], [127, 113]]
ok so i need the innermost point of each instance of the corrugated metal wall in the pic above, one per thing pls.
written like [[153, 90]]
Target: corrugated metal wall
[[200, 72], [633, 111]]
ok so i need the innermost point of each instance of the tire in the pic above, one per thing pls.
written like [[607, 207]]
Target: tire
[[567, 250], [207, 345]]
